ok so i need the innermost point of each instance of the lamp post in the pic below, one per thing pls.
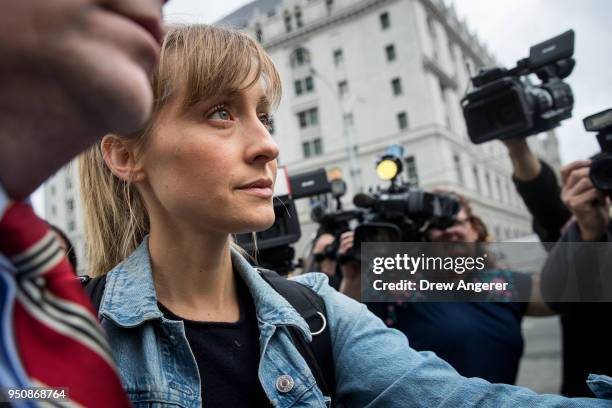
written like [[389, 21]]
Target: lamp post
[[346, 107]]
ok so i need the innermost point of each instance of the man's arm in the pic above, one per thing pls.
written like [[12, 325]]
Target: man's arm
[[537, 185]]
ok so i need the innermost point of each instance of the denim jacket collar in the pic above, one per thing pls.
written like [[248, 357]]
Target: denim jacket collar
[[130, 300]]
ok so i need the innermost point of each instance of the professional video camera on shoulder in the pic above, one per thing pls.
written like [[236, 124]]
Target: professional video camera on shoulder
[[601, 165], [505, 105], [401, 213], [334, 222]]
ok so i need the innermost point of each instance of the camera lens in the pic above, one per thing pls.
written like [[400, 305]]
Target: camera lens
[[601, 172]]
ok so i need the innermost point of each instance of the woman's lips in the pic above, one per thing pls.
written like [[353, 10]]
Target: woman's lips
[[263, 192]]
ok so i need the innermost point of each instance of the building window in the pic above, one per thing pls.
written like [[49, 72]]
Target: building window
[[300, 56], [338, 57], [70, 204], [258, 33], [53, 211], [309, 82], [52, 189], [298, 17], [396, 86], [308, 118], [434, 37], [390, 52], [342, 88], [488, 181], [411, 171], [476, 179], [329, 4], [287, 21], [303, 85], [71, 225], [306, 149], [68, 183], [446, 106], [402, 120], [385, 22], [298, 87], [451, 51], [500, 192], [312, 148], [318, 147], [458, 169]]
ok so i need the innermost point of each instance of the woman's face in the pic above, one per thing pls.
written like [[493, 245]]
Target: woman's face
[[212, 168], [461, 231]]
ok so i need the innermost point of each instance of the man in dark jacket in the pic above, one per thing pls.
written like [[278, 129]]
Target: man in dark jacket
[[585, 347]]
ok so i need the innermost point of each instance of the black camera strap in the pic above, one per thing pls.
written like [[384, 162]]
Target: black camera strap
[[317, 354]]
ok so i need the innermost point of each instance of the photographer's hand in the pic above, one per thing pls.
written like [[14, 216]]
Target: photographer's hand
[[351, 274], [327, 266], [589, 206], [525, 164]]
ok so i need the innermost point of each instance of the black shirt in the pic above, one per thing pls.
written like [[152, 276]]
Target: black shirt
[[586, 343], [227, 355]]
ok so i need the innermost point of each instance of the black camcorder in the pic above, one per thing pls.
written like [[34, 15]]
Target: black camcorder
[[601, 164], [400, 213], [505, 105], [273, 246]]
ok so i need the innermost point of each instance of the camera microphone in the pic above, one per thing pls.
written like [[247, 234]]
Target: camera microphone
[[363, 200]]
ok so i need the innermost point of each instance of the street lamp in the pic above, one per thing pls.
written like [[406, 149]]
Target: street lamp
[[346, 107]]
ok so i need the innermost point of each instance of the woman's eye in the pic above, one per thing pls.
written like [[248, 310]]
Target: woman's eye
[[220, 114], [267, 120]]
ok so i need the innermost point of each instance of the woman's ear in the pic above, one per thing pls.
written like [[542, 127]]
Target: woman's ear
[[119, 156]]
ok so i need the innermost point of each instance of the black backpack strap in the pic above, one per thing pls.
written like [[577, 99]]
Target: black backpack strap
[[94, 287], [317, 354]]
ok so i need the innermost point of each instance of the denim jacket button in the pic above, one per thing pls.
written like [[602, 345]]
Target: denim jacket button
[[284, 383]]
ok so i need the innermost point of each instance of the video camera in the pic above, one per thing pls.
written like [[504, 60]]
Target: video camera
[[505, 105], [601, 165], [400, 213], [274, 245]]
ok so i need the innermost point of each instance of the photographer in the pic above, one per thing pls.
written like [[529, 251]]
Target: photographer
[[584, 349], [576, 273], [492, 342]]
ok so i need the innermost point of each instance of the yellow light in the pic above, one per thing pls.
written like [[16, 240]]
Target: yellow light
[[386, 169]]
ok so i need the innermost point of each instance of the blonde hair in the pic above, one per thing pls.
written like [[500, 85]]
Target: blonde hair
[[197, 62]]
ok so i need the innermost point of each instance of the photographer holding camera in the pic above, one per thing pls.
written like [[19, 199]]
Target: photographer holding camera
[[492, 343], [574, 271]]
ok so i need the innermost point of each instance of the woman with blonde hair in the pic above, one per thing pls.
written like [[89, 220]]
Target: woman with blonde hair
[[190, 321]]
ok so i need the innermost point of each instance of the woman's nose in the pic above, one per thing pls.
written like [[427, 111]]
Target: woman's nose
[[262, 147]]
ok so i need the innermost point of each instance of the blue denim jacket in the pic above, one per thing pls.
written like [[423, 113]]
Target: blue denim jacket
[[375, 367]]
